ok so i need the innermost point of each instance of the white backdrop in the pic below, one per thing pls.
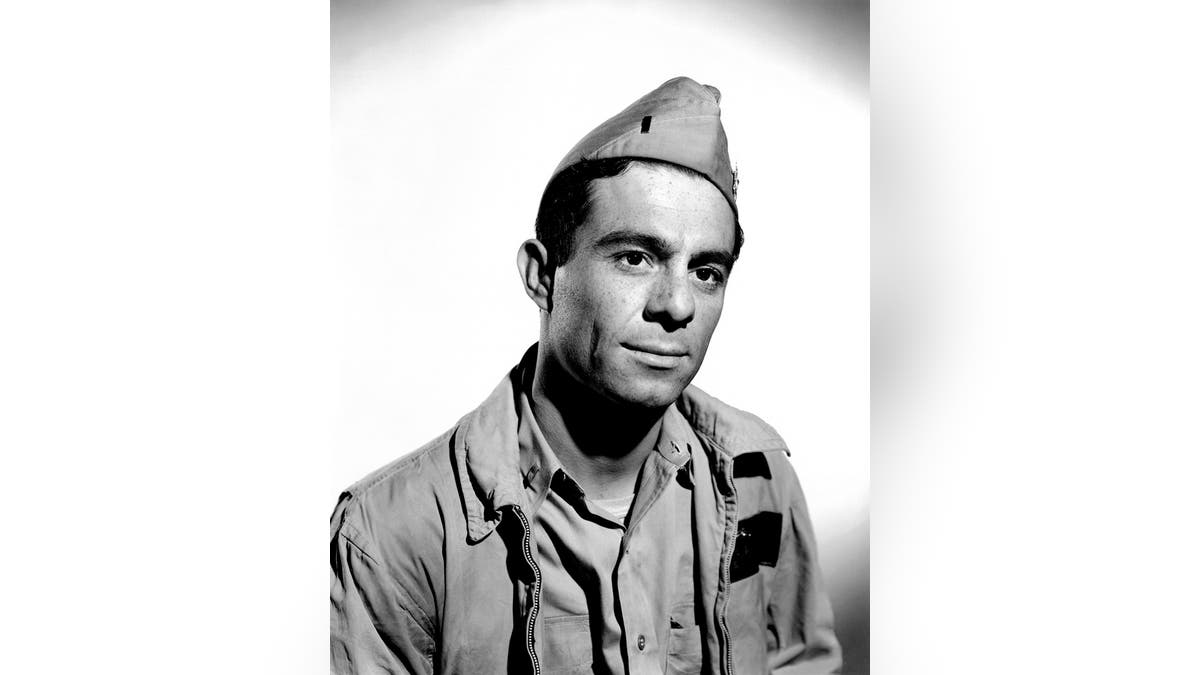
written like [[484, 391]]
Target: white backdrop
[[446, 125]]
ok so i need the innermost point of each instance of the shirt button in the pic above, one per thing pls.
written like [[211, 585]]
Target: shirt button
[[641, 643]]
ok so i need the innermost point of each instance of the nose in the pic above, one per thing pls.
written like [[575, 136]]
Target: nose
[[671, 302]]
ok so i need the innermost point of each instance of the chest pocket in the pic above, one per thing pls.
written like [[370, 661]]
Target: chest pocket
[[566, 645]]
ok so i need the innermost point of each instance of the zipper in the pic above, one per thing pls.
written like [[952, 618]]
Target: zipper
[[537, 589], [726, 563]]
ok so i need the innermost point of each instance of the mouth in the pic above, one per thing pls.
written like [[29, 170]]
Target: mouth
[[657, 355], [656, 349]]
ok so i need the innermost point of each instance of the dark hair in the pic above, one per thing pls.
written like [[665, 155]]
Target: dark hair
[[567, 203]]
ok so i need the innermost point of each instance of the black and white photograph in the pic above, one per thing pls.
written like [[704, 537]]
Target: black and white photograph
[[605, 406], [599, 336]]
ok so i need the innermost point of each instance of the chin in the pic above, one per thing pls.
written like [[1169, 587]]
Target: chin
[[646, 394]]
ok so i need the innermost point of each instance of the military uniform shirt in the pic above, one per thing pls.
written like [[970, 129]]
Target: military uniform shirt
[[617, 594]]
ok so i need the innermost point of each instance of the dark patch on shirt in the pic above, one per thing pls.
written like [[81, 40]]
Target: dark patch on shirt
[[751, 464], [757, 544]]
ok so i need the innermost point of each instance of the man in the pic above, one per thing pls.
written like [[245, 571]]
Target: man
[[596, 513]]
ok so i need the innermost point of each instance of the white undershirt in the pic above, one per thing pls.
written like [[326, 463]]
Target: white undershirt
[[618, 507]]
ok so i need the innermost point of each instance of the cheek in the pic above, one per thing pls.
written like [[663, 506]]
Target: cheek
[[617, 308], [708, 319], [714, 314], [600, 305]]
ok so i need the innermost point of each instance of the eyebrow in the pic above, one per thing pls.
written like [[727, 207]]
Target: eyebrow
[[713, 257], [660, 248]]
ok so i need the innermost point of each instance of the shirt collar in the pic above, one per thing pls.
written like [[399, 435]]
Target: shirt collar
[[676, 438], [536, 462], [539, 465]]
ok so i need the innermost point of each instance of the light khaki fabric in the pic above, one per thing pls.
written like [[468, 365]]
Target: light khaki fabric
[[602, 609], [678, 122], [432, 569]]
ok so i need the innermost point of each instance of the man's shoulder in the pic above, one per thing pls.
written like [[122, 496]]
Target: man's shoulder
[[730, 430], [761, 466], [401, 495], [436, 488], [428, 462]]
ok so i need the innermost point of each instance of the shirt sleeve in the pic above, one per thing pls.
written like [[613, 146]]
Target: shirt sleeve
[[799, 609], [374, 624]]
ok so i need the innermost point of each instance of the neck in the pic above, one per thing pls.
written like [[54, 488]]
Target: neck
[[602, 444]]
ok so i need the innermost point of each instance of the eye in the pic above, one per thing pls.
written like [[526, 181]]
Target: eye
[[709, 276], [633, 258]]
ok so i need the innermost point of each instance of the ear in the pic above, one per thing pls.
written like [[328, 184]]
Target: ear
[[533, 263]]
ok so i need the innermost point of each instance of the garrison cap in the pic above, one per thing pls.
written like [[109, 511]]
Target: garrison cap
[[679, 122]]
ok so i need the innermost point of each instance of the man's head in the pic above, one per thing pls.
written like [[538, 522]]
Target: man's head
[[637, 234], [630, 312]]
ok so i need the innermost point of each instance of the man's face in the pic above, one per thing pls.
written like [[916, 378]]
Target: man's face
[[635, 305]]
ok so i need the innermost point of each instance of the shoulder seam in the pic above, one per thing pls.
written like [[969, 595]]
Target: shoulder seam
[[402, 463]]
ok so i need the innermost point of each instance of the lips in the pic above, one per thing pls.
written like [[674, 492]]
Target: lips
[[657, 349], [657, 356]]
